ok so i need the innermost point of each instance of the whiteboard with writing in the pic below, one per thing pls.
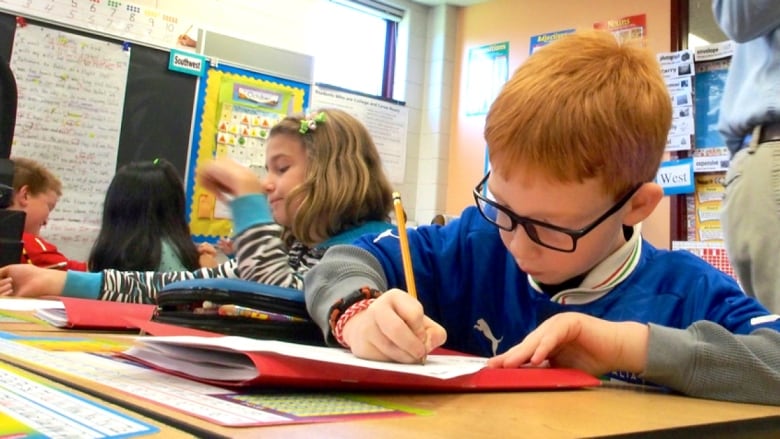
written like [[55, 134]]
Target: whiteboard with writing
[[121, 19], [71, 97], [386, 121]]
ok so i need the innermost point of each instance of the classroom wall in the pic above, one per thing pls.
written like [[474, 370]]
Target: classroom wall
[[291, 24], [516, 21], [445, 150]]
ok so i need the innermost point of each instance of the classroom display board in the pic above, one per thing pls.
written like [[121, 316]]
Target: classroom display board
[[68, 119], [111, 17], [236, 110], [88, 105], [386, 121]]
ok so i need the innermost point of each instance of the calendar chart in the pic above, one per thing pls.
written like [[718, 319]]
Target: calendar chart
[[123, 20]]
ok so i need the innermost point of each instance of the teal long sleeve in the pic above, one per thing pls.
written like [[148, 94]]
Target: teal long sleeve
[[82, 284]]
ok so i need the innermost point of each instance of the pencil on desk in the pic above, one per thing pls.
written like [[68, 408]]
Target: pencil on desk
[[406, 256]]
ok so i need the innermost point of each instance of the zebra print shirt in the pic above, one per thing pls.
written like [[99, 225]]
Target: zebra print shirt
[[263, 258]]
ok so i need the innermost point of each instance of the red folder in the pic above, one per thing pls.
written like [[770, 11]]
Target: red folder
[[287, 371], [96, 314]]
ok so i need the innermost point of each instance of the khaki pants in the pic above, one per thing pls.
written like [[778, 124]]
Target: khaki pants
[[751, 220]]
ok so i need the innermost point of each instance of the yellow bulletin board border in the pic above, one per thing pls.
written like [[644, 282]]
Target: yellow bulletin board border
[[226, 85]]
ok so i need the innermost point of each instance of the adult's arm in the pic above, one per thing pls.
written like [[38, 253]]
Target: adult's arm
[[745, 20]]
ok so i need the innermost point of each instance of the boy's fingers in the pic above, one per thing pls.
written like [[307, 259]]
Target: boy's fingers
[[401, 340], [435, 335]]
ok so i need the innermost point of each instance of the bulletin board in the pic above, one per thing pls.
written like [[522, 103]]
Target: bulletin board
[[235, 112], [158, 103], [138, 110]]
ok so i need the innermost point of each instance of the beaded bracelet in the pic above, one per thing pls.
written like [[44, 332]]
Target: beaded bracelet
[[338, 331], [341, 305]]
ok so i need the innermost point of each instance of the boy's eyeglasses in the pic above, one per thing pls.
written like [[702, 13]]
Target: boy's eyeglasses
[[540, 232]]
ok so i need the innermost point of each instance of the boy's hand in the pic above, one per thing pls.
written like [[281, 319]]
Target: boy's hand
[[583, 342], [393, 328], [228, 177], [26, 280]]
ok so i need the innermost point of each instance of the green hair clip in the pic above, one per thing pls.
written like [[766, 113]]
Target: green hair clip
[[310, 123], [155, 161]]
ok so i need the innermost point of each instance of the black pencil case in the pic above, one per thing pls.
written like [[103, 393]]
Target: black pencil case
[[277, 313]]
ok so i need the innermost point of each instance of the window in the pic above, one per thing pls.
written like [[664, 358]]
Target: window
[[355, 46]]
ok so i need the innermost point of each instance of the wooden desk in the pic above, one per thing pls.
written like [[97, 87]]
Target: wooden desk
[[604, 411], [552, 414]]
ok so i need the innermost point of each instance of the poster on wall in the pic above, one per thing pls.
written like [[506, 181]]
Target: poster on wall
[[712, 64], [710, 191], [71, 98], [541, 40], [386, 121], [677, 69], [626, 29], [486, 70], [236, 111]]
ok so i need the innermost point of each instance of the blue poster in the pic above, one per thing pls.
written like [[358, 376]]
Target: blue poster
[[487, 70], [710, 81], [541, 40]]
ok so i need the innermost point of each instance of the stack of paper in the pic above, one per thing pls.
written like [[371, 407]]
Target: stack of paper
[[240, 361]]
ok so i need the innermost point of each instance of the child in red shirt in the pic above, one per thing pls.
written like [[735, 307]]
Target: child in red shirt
[[36, 192]]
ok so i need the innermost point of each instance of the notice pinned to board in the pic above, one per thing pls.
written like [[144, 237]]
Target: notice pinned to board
[[386, 121], [71, 96]]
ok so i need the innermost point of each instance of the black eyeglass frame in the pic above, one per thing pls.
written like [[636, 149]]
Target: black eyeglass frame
[[529, 223]]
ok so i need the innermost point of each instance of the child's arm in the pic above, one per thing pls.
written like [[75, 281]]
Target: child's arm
[[261, 254], [708, 361], [393, 327], [260, 251], [27, 280], [121, 286], [41, 253], [143, 286], [705, 360], [581, 341], [207, 255]]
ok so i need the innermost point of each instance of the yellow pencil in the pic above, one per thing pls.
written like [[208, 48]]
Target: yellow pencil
[[406, 256]]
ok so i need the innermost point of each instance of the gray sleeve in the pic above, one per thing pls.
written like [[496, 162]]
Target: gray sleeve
[[343, 270], [706, 360]]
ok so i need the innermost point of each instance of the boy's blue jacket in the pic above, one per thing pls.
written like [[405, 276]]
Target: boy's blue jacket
[[468, 282]]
